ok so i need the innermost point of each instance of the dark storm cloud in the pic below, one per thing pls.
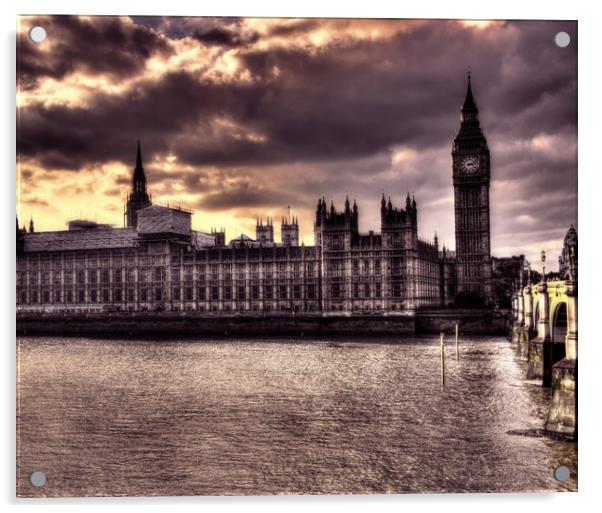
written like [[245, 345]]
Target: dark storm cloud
[[38, 202], [26, 174], [103, 45], [178, 27], [246, 195], [224, 37], [341, 103]]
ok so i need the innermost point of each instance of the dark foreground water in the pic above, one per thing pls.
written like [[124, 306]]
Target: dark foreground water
[[278, 417]]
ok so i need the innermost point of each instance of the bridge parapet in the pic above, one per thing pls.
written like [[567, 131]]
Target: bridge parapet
[[545, 329]]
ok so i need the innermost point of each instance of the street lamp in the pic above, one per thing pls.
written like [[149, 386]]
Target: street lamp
[[572, 262], [543, 265]]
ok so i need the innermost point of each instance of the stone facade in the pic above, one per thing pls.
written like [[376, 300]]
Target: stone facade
[[164, 265], [471, 175], [157, 262]]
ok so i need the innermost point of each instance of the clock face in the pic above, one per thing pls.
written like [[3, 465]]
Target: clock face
[[470, 164]]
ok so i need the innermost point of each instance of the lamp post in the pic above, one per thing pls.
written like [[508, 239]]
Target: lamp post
[[572, 262], [543, 265]]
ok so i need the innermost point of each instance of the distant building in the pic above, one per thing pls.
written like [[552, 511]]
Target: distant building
[[158, 262], [82, 224], [564, 260], [504, 273]]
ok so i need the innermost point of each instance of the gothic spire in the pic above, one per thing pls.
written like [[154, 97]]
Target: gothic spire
[[469, 103], [139, 170], [139, 197]]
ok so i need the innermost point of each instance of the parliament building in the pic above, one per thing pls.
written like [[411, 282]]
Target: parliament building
[[157, 262]]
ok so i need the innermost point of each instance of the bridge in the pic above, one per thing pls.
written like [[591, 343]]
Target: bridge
[[545, 332]]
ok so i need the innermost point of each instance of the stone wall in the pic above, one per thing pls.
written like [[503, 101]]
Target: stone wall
[[173, 324], [470, 321], [121, 324]]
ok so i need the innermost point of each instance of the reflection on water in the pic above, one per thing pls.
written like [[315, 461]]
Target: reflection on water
[[104, 417]]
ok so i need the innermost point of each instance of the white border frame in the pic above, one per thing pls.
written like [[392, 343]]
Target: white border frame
[[590, 117]]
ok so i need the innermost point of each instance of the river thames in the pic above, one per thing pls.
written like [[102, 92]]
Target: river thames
[[288, 416]]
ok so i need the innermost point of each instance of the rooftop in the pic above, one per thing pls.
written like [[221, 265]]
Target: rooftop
[[67, 240], [97, 238]]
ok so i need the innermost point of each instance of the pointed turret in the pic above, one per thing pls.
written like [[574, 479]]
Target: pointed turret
[[470, 112], [289, 230], [469, 103], [139, 170], [408, 202], [31, 230], [19, 238], [138, 197], [319, 212]]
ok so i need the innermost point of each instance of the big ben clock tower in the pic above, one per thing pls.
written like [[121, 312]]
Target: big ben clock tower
[[471, 173]]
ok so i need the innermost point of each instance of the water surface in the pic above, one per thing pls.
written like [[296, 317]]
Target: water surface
[[111, 417]]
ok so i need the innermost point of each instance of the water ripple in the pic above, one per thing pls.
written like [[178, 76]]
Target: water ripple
[[264, 417]]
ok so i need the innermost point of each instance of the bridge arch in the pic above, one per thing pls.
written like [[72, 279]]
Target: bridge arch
[[536, 312], [558, 331], [559, 321]]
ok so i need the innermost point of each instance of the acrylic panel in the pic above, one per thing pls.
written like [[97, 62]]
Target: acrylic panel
[[263, 256]]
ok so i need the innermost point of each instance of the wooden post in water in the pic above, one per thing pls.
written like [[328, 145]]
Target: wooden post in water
[[457, 350], [442, 346]]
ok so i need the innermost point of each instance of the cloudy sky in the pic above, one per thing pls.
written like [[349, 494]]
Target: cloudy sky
[[241, 118]]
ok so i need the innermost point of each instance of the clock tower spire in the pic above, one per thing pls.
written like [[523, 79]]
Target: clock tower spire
[[471, 176]]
